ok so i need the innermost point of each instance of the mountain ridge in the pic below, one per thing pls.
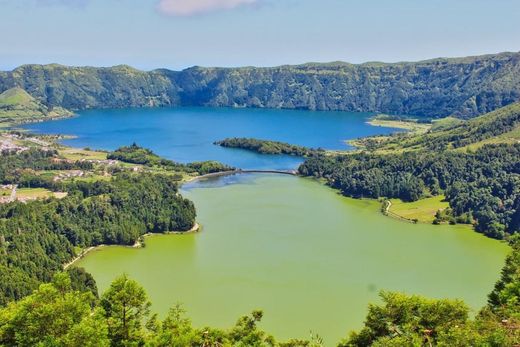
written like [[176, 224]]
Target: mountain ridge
[[463, 87], [325, 63]]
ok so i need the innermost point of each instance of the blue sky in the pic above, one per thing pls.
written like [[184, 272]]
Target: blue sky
[[180, 33]]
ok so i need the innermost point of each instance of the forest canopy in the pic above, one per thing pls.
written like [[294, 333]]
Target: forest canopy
[[482, 187], [37, 238], [138, 155], [475, 164], [267, 147]]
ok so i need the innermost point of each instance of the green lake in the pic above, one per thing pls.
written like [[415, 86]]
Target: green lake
[[310, 258]]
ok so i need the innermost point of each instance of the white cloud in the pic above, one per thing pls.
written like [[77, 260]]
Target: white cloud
[[194, 7]]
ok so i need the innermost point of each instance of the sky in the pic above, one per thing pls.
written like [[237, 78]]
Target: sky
[[177, 34]]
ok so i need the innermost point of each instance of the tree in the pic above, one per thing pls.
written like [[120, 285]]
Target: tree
[[126, 306], [82, 281], [54, 315], [504, 300], [408, 321], [174, 331], [246, 333]]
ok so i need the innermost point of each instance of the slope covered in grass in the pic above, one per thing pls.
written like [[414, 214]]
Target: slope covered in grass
[[16, 105], [500, 126]]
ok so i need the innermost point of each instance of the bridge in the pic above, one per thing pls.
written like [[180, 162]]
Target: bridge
[[240, 171], [283, 172]]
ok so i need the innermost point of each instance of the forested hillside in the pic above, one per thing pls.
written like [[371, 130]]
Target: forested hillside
[[139, 155], [499, 126], [464, 87], [481, 183], [89, 87], [38, 237]]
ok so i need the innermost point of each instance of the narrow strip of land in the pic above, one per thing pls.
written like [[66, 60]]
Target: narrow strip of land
[[240, 171]]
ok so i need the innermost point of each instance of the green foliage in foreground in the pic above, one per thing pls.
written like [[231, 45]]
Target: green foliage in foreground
[[408, 320], [504, 300], [54, 315], [57, 314], [415, 321], [139, 155], [267, 147]]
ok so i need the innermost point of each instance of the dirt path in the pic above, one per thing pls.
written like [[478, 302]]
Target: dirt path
[[13, 193], [391, 214], [81, 255]]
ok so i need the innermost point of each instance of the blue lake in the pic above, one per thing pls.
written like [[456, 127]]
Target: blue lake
[[187, 134]]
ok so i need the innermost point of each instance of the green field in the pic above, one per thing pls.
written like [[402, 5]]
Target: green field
[[510, 137], [15, 96], [411, 126], [37, 193], [33, 193], [16, 106], [78, 154], [92, 178], [499, 126], [422, 210], [445, 123]]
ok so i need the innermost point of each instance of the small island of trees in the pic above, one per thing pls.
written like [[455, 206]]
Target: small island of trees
[[268, 147]]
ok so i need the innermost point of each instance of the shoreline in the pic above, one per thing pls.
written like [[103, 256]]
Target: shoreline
[[387, 213], [404, 125], [138, 244], [11, 125], [240, 171], [213, 174], [409, 125]]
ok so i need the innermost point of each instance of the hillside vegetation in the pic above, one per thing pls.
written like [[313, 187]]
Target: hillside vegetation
[[500, 126], [16, 105], [463, 87], [66, 200], [138, 155], [482, 186], [38, 237]]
